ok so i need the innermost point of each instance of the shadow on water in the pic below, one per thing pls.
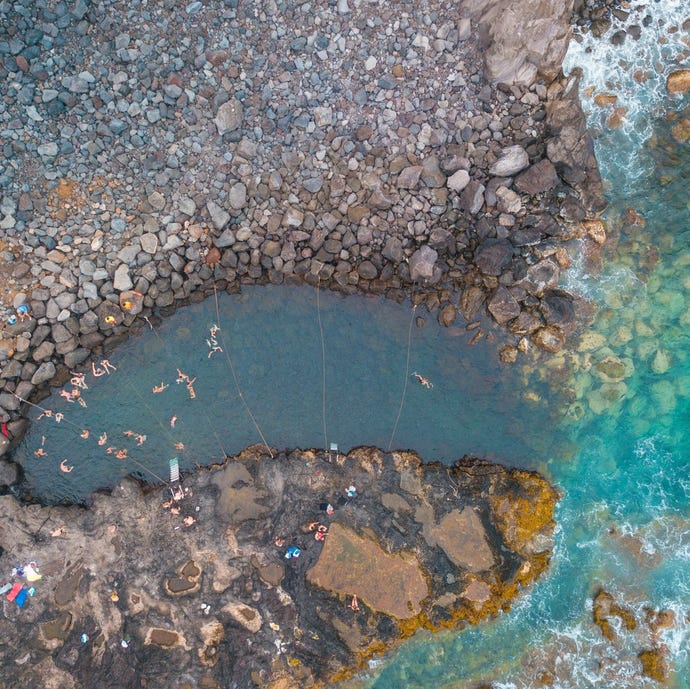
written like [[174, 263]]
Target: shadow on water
[[271, 334]]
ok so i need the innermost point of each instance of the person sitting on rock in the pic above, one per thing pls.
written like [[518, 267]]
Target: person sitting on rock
[[23, 311]]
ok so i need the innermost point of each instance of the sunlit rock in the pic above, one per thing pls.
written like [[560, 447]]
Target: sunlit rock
[[661, 362], [590, 341], [606, 396], [612, 369], [595, 229], [678, 81]]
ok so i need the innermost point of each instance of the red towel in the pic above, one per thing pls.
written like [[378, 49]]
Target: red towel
[[13, 592]]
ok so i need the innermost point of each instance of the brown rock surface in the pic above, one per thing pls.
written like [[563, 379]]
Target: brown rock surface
[[142, 590], [350, 564]]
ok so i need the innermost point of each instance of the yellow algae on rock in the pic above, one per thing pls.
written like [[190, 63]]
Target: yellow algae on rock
[[349, 564]]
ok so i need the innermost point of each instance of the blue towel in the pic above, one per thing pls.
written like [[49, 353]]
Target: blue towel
[[21, 598]]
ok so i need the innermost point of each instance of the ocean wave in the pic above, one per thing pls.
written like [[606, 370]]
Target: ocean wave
[[633, 72]]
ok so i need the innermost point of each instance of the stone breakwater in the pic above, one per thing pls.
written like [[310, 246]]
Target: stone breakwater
[[143, 590], [159, 149]]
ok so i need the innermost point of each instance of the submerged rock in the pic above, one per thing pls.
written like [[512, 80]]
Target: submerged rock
[[284, 570]]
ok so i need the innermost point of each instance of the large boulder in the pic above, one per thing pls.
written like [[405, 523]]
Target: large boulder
[[570, 147], [512, 160], [503, 306], [521, 40], [423, 264]]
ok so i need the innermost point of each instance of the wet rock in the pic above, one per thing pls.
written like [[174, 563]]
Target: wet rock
[[550, 339], [493, 256], [541, 277], [596, 230], [447, 315], [503, 306], [678, 81]]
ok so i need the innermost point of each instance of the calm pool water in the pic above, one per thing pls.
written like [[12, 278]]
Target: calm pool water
[[271, 339]]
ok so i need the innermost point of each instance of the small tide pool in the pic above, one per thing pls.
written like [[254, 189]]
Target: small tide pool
[[271, 352]]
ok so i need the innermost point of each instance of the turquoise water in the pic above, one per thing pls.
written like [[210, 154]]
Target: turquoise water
[[608, 422], [624, 522]]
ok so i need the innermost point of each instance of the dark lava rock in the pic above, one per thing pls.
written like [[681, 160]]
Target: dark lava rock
[[203, 586]]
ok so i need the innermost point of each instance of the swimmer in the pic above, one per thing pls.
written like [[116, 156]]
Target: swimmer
[[158, 388], [140, 438], [47, 413], [59, 417], [102, 438], [79, 381], [173, 420], [41, 452], [121, 454], [128, 433], [65, 468], [84, 434], [320, 536], [179, 446], [67, 395], [427, 384], [110, 450], [103, 368], [213, 350]]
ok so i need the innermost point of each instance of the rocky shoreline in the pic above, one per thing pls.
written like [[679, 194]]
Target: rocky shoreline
[[148, 591], [438, 154], [373, 151]]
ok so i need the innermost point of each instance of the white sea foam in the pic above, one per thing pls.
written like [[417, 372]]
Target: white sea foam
[[614, 279], [636, 73]]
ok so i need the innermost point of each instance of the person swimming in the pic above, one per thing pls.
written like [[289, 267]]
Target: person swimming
[[426, 383]]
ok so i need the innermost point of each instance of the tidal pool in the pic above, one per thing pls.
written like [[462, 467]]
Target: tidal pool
[[270, 338]]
